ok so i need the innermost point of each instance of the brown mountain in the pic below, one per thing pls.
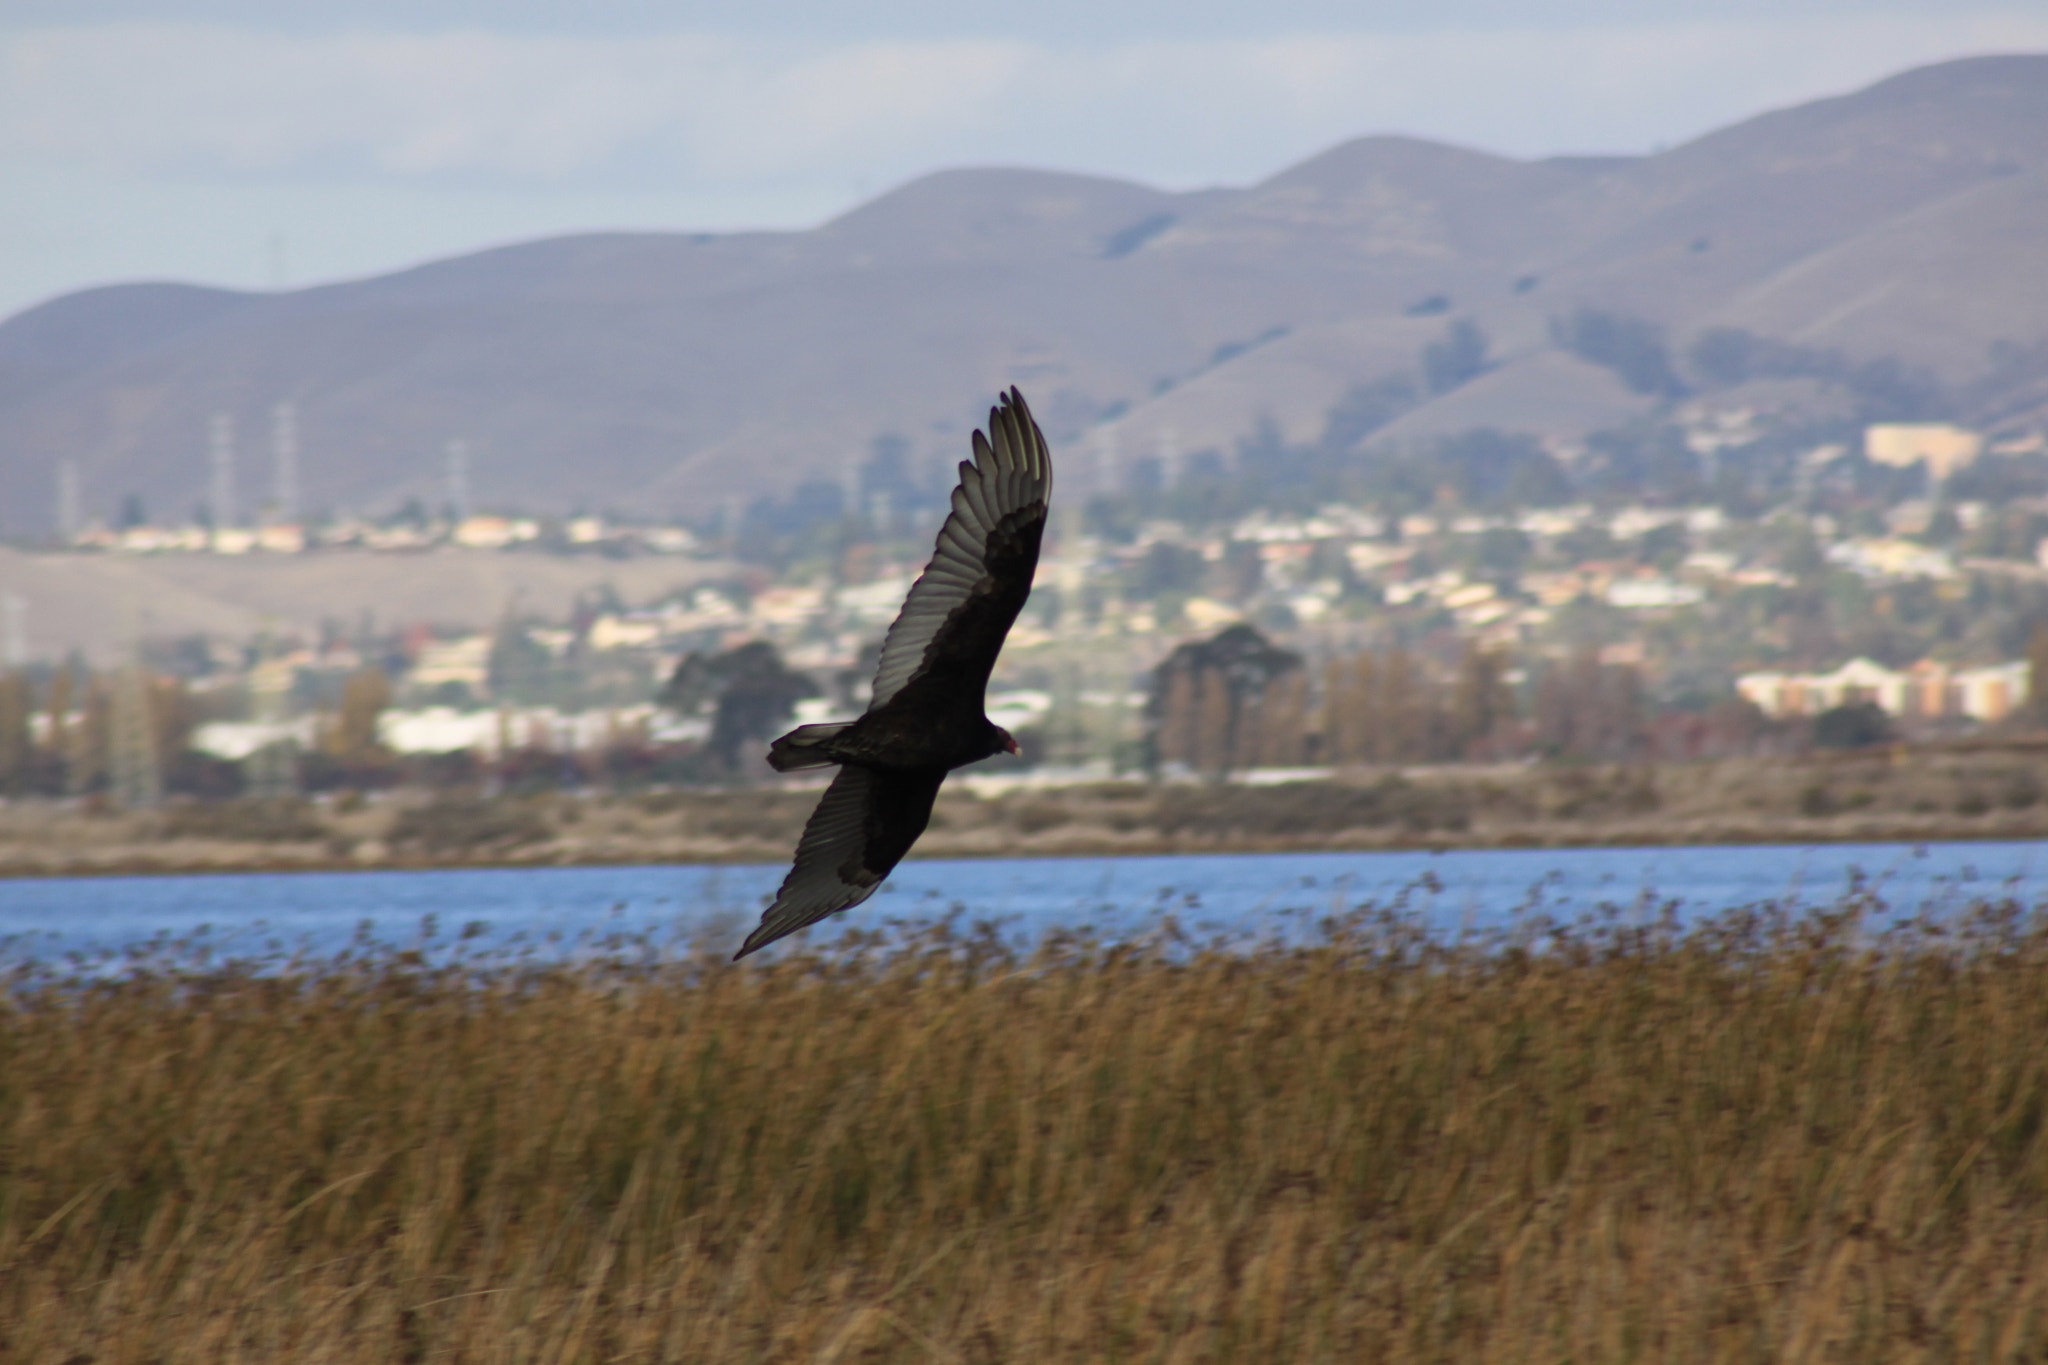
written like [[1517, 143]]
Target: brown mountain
[[674, 372]]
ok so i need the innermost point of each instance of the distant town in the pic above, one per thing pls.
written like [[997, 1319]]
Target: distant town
[[1713, 587]]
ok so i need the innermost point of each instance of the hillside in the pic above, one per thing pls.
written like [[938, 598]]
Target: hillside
[[677, 373]]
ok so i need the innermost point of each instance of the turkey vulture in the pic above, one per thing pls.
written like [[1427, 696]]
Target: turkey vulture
[[926, 716]]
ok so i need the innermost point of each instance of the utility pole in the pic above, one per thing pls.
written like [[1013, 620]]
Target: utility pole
[[284, 456], [221, 467]]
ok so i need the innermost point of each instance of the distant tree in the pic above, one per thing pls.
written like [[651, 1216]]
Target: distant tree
[[1383, 707], [1167, 568], [1488, 468], [774, 529], [1852, 725], [58, 703], [1115, 519], [17, 754], [363, 699], [521, 669], [133, 513], [1728, 356], [1264, 447], [1457, 359], [1586, 542], [1641, 460], [1203, 710], [750, 693], [1348, 686], [1884, 389], [886, 483], [85, 741], [2037, 674], [1631, 347], [1944, 527], [174, 717], [1363, 409], [1502, 550], [1889, 390], [1585, 709], [1481, 702], [1664, 546], [1279, 736]]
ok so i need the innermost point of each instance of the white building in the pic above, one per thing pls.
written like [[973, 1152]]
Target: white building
[[235, 740], [1927, 689], [1941, 447], [1658, 591], [466, 660]]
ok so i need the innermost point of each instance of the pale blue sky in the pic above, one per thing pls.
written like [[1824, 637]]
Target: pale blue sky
[[241, 143]]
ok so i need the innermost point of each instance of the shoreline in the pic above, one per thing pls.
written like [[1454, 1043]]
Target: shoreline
[[1886, 796], [217, 860]]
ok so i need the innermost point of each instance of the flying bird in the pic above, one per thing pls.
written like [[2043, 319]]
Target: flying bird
[[927, 715]]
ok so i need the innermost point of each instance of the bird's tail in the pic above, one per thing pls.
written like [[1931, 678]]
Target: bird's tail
[[803, 747]]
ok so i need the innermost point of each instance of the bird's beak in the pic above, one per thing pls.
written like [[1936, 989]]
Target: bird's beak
[[1010, 745]]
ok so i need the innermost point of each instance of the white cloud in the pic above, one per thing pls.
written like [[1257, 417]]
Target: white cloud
[[720, 111]]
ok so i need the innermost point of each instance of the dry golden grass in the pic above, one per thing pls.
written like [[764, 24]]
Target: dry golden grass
[[1763, 1141]]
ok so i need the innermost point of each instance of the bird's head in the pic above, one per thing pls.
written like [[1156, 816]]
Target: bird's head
[[1006, 743]]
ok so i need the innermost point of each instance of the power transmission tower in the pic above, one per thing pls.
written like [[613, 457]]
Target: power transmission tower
[[221, 467], [284, 455]]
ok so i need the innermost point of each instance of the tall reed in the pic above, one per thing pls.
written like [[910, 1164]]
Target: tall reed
[[1765, 1139]]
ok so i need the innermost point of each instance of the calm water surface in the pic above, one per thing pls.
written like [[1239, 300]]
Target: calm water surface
[[566, 910]]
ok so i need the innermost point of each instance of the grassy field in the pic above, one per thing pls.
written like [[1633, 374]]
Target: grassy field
[[1763, 1140]]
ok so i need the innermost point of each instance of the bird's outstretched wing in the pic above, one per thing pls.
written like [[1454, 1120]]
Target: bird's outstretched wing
[[864, 824], [989, 540]]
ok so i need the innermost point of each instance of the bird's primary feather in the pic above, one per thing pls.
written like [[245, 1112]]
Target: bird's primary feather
[[861, 829], [1010, 479], [927, 715]]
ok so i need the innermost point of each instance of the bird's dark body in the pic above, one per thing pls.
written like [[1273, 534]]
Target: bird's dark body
[[928, 715], [901, 810], [938, 720]]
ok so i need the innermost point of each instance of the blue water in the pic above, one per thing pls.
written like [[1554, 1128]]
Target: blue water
[[559, 911]]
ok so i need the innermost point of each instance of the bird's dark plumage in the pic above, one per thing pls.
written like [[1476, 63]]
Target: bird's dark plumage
[[927, 714]]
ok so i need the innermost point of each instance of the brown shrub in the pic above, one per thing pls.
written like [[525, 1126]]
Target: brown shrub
[[468, 824], [256, 822], [1309, 808]]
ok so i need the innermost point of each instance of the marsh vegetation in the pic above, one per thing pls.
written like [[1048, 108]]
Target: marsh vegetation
[[1768, 1137]]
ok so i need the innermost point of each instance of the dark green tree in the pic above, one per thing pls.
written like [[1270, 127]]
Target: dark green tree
[[1631, 347], [749, 692], [1852, 725], [1457, 359]]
